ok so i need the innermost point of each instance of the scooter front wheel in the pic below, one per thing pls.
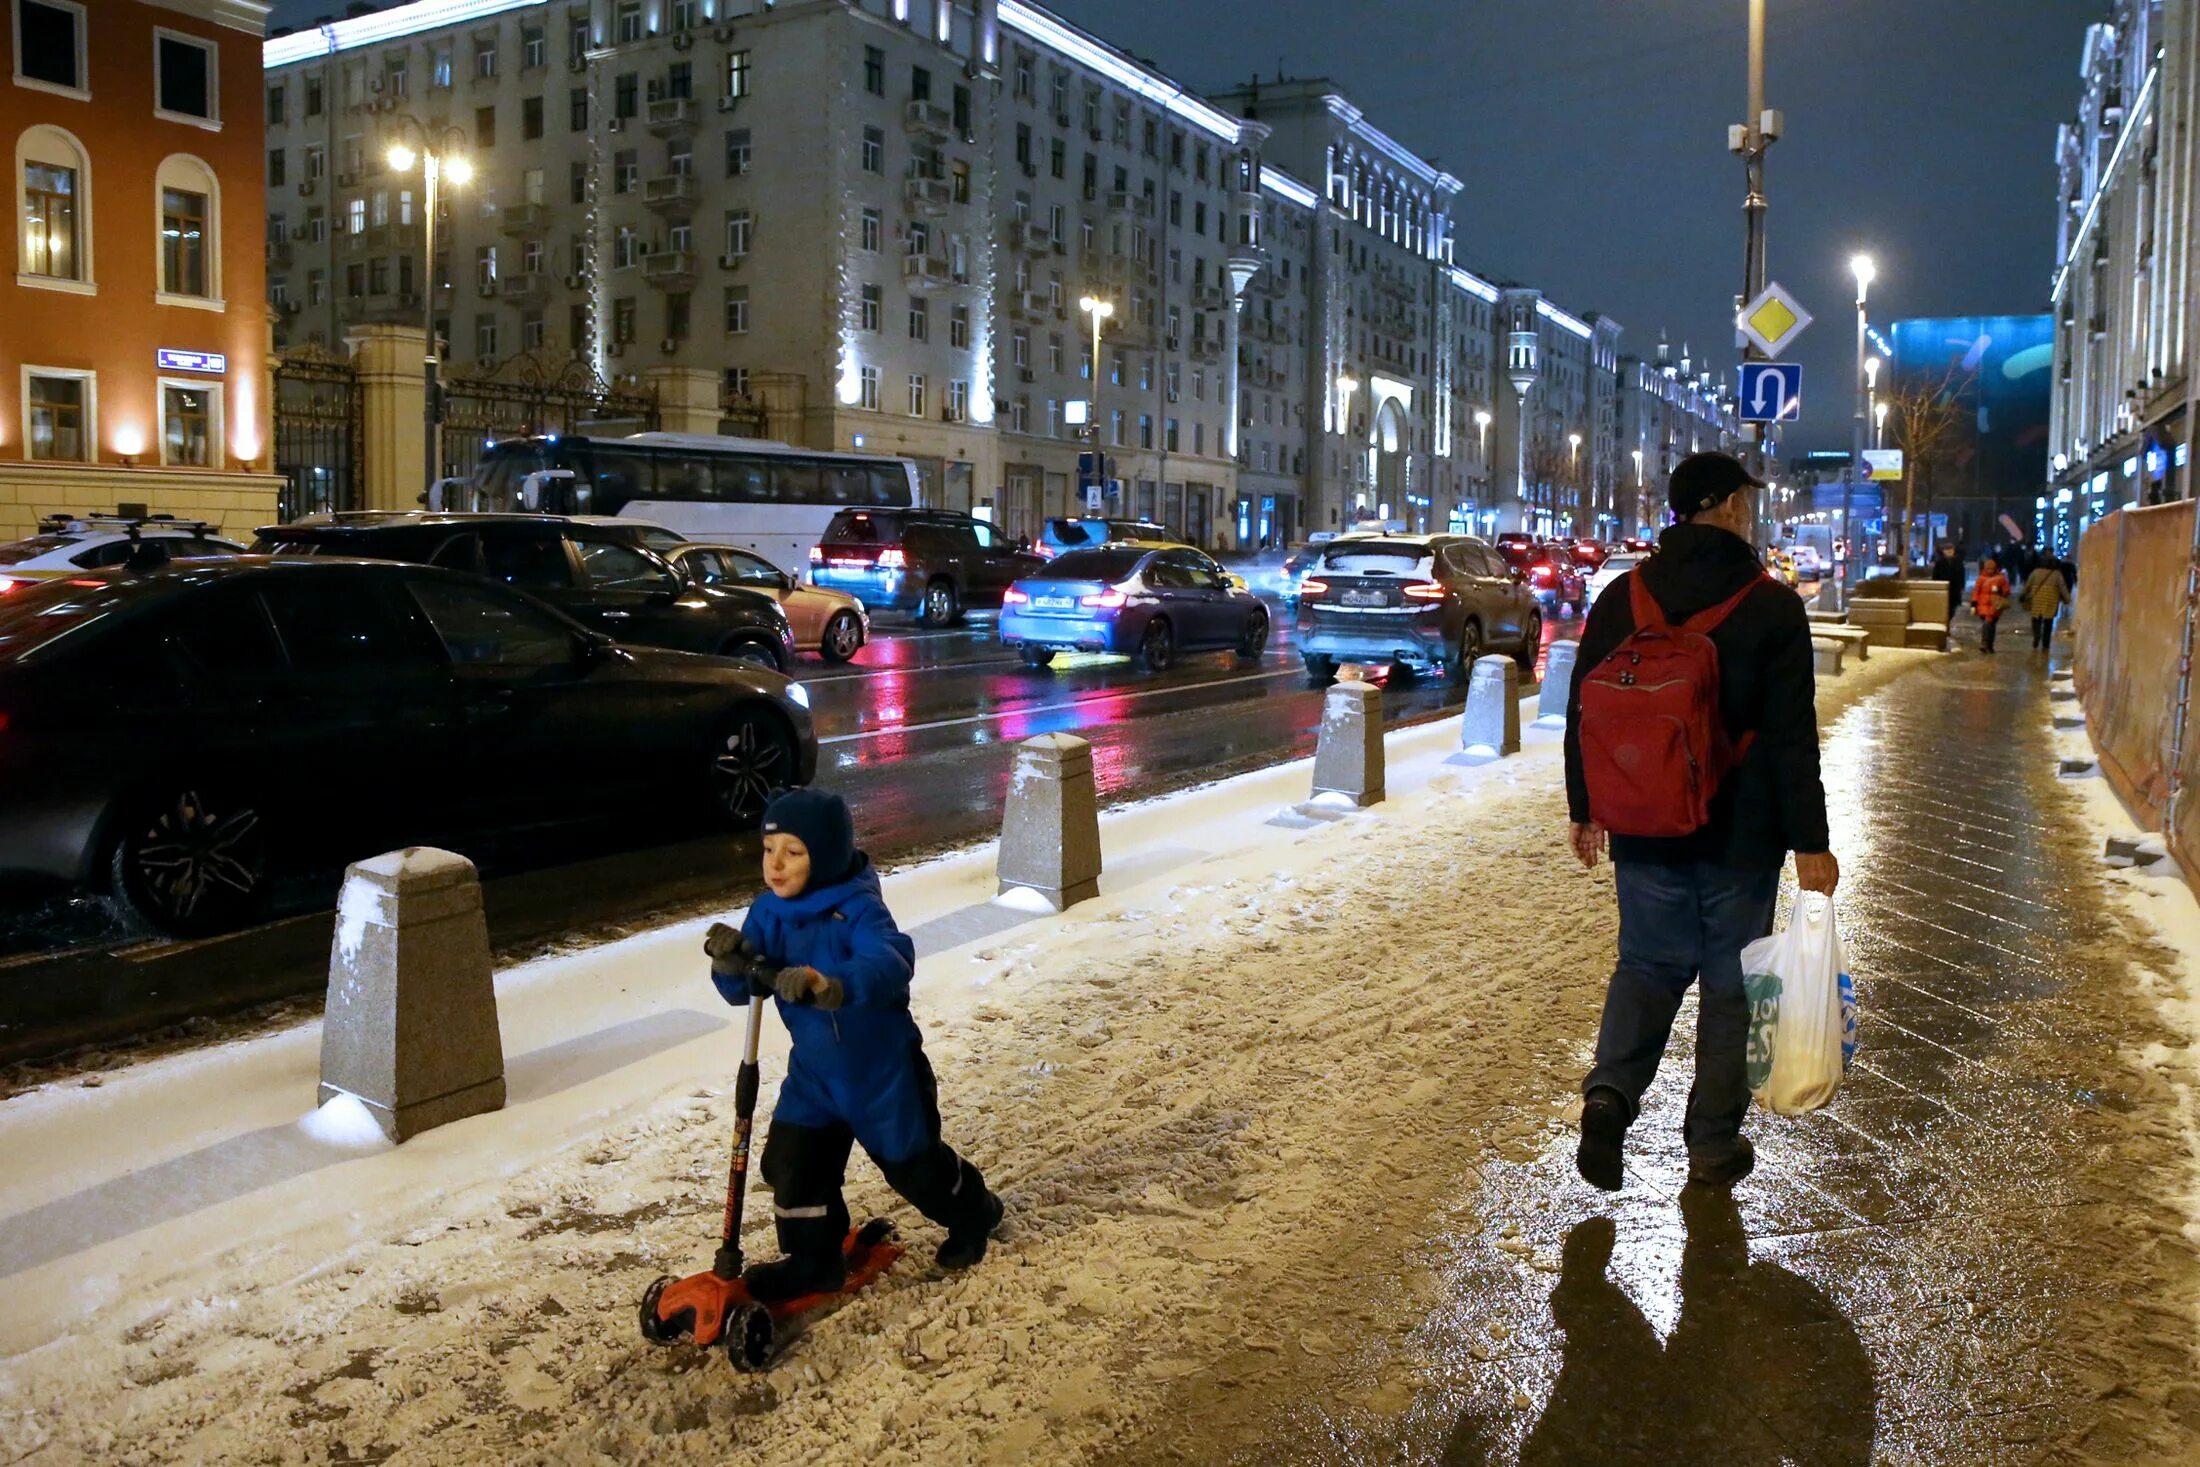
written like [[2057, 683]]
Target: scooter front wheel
[[749, 1337]]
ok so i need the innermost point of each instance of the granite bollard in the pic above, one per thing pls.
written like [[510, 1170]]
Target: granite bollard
[[1348, 756], [1490, 726], [1558, 684], [1050, 827], [411, 1026]]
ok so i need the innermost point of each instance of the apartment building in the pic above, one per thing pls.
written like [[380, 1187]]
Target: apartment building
[[1669, 408], [2120, 417], [133, 365]]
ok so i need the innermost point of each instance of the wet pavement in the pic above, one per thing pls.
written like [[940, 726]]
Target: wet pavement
[[1976, 1255]]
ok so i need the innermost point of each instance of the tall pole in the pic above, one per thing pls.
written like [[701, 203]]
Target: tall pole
[[1753, 202], [1862, 266], [431, 436]]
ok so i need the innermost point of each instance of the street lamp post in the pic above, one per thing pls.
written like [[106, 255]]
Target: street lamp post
[[1347, 384], [1751, 139], [1482, 422], [1879, 423], [1099, 310], [1867, 378], [436, 164], [1642, 520], [1573, 472]]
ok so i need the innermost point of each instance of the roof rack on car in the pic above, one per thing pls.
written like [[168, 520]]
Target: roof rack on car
[[81, 523]]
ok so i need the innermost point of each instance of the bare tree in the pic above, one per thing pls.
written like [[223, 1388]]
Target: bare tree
[[1933, 425]]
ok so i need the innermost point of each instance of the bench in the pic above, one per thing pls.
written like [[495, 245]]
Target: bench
[[1826, 655], [1931, 635], [1855, 639]]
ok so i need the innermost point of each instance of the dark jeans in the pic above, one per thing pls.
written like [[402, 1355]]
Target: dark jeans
[[1986, 627], [1680, 925], [2043, 632]]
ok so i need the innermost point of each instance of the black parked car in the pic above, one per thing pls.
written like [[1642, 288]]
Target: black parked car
[[601, 574], [185, 736], [1414, 601], [932, 562]]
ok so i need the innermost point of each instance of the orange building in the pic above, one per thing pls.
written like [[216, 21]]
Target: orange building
[[133, 318]]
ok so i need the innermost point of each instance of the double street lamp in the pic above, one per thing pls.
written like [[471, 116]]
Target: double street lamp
[[439, 163], [1100, 310], [1867, 379]]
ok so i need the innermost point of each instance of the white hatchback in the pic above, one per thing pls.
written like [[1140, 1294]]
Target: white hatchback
[[1615, 565], [66, 545]]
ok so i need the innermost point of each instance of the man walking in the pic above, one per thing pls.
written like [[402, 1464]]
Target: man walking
[[1701, 884], [1948, 566]]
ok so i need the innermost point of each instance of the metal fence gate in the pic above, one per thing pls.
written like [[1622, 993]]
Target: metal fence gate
[[539, 392], [316, 401]]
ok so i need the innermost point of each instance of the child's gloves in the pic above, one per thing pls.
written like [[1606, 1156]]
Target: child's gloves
[[737, 969], [807, 985]]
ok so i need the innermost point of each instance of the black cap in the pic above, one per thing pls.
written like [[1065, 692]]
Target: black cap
[[1702, 481]]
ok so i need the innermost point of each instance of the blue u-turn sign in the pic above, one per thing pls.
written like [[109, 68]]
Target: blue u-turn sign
[[1772, 392]]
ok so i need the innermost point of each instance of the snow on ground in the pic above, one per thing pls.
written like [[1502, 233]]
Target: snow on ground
[[1202, 1094]]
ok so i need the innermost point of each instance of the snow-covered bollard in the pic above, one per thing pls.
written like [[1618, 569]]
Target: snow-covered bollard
[[1490, 726], [1050, 828], [1825, 655], [1348, 754], [1829, 593], [1558, 684], [411, 1028]]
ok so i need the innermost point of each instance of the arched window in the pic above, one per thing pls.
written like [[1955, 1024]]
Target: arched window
[[187, 211], [53, 233]]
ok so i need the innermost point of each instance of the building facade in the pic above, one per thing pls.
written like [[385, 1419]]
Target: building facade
[[876, 224], [2121, 396], [1669, 408], [133, 368]]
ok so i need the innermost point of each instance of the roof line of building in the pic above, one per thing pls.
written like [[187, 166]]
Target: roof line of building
[[1566, 319], [1284, 186], [1344, 111], [1051, 30]]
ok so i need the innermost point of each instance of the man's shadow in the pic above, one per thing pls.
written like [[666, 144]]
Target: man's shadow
[[1760, 1368]]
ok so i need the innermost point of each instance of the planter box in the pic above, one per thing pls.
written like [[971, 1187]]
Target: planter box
[[1928, 600], [1885, 619]]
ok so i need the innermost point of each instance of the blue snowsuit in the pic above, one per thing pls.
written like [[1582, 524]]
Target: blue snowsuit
[[857, 1074]]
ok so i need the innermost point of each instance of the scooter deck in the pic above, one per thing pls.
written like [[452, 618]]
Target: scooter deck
[[694, 1310]]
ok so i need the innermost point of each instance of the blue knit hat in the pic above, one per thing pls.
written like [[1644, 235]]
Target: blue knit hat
[[820, 820]]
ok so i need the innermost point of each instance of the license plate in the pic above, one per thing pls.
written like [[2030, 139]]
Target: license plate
[[1364, 598], [1053, 603]]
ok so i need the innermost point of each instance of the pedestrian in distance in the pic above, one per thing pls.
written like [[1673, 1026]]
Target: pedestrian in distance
[[820, 937], [2045, 591], [1948, 566], [1989, 598], [1692, 755]]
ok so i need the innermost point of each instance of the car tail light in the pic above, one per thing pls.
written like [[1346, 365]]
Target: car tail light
[[891, 559], [1312, 587], [1544, 573], [817, 555], [1013, 597], [1426, 591], [1107, 599], [1044, 551]]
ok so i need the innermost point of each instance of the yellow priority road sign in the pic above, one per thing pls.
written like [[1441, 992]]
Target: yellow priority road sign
[[1772, 320]]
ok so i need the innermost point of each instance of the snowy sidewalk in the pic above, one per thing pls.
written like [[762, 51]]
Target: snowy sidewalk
[[1282, 1119]]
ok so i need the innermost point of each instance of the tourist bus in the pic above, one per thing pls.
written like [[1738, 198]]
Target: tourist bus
[[770, 497]]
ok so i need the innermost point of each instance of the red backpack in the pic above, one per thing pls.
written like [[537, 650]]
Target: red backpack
[[1653, 747]]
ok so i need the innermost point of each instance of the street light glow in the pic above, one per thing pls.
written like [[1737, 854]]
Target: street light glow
[[1481, 419], [401, 157], [1866, 272], [1094, 306], [1347, 383], [1871, 373], [458, 170]]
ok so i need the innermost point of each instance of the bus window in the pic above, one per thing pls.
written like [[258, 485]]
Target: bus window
[[740, 481], [797, 483], [889, 485], [620, 474], [847, 484], [682, 477]]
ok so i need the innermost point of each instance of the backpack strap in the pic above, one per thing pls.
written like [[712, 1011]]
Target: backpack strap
[[1649, 616]]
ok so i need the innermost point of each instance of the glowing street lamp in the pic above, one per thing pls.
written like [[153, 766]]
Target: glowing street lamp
[[1100, 310], [438, 164]]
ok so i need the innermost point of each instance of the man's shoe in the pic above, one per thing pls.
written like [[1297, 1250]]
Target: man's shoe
[[1603, 1133], [796, 1276], [1723, 1172], [967, 1249]]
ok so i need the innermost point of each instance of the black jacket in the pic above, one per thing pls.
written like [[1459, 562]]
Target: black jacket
[[1773, 802]]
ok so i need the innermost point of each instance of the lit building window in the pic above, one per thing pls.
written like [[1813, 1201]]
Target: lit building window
[[59, 413]]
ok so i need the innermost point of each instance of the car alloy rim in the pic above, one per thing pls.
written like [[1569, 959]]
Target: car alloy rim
[[938, 600], [749, 765], [1157, 643], [190, 852], [844, 634]]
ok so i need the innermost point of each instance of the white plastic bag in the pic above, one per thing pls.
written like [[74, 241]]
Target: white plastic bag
[[1802, 1010]]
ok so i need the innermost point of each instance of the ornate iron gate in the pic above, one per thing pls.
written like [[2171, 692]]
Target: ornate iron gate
[[316, 400], [541, 392]]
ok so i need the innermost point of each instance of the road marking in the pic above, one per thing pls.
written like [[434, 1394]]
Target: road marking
[[910, 728]]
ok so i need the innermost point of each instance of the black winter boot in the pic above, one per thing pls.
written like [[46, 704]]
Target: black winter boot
[[1603, 1135], [966, 1247], [796, 1275]]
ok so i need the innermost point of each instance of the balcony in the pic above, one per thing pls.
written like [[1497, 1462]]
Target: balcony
[[524, 219], [670, 269], [527, 286], [1034, 239], [278, 251], [927, 195], [923, 119], [673, 117], [1032, 305], [1137, 206], [671, 194], [1210, 298], [927, 270], [382, 237], [1206, 349]]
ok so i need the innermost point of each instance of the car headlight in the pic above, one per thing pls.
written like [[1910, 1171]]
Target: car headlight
[[799, 694]]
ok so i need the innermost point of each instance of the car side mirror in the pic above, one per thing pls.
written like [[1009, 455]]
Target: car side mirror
[[786, 581], [592, 647]]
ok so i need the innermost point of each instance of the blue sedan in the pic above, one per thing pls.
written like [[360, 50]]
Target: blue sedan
[[1139, 600]]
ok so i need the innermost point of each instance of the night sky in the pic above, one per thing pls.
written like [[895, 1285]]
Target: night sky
[[1590, 135]]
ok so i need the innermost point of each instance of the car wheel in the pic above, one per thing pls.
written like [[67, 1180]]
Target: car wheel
[[1255, 641], [752, 652], [1036, 656], [843, 637], [1320, 670], [1531, 643], [192, 860], [941, 605], [1157, 648], [1461, 662], [750, 761]]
